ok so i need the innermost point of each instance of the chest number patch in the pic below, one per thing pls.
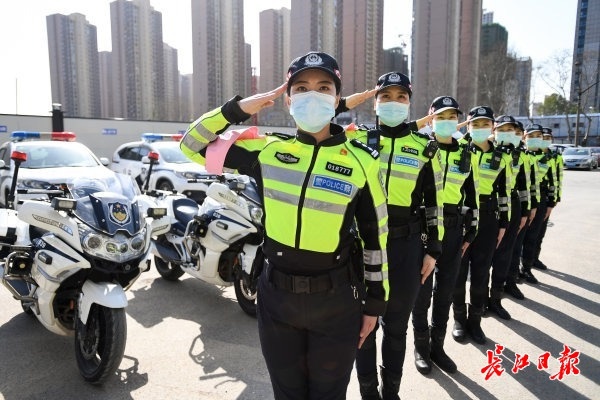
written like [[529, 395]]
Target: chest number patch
[[410, 150], [338, 169]]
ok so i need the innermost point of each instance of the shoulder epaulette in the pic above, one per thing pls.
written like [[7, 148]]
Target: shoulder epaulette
[[423, 135], [362, 146], [280, 135], [365, 127]]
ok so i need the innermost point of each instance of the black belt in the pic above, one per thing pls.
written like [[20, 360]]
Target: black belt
[[450, 221], [298, 284], [404, 230]]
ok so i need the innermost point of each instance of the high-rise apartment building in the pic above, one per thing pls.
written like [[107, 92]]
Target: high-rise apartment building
[[487, 17], [522, 76], [186, 90], [171, 79], [105, 72], [395, 59], [74, 76], [316, 26], [138, 83], [445, 52], [274, 61], [586, 55], [219, 52], [494, 39]]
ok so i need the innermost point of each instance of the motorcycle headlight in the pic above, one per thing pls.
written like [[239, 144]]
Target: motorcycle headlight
[[92, 241], [117, 248], [138, 242], [256, 213]]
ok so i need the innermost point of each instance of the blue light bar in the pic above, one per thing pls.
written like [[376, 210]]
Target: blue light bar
[[152, 137], [27, 135]]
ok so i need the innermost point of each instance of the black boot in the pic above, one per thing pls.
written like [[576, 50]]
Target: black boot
[[368, 386], [474, 324], [539, 265], [495, 304], [390, 384], [438, 355], [511, 288], [422, 350], [459, 331], [526, 273]]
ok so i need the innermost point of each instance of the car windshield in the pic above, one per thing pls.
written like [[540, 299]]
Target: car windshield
[[57, 155], [595, 150], [172, 154], [576, 152]]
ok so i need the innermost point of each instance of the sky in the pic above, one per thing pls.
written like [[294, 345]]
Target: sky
[[538, 29]]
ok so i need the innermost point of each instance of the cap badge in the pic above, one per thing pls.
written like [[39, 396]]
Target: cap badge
[[447, 101], [313, 59], [506, 119], [481, 111], [394, 78]]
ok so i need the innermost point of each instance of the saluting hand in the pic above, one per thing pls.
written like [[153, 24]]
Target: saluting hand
[[421, 122], [358, 98], [253, 104], [428, 267], [368, 324]]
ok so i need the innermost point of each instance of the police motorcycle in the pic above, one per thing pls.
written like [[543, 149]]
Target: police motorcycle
[[70, 257], [218, 242]]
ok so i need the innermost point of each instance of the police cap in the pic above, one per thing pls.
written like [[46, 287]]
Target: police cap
[[533, 127], [394, 79], [317, 60], [443, 103], [480, 112], [519, 125], [546, 131], [504, 120]]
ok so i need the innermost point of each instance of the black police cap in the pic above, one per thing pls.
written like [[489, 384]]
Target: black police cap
[[481, 112], [504, 120], [520, 125], [394, 79], [443, 103], [315, 60], [533, 127], [546, 131]]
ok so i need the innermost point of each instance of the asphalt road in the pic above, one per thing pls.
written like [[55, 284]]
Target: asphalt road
[[191, 340]]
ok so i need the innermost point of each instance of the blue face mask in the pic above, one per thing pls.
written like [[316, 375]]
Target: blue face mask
[[545, 144], [312, 110], [516, 140], [480, 135], [533, 143], [505, 137], [391, 113], [444, 128]]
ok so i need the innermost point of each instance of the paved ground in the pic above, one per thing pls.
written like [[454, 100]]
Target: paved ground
[[191, 340]]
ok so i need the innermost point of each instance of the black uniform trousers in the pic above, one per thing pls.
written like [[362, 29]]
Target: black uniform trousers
[[446, 272], [308, 340], [478, 259], [405, 259], [501, 262], [532, 241]]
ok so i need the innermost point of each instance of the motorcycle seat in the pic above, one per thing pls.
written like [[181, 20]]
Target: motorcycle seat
[[185, 209]]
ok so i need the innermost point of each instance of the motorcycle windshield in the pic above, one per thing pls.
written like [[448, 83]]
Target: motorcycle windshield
[[108, 205], [251, 192]]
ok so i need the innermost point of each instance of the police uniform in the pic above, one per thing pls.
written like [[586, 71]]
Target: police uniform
[[494, 213], [310, 302], [547, 193], [460, 181], [520, 200], [411, 171]]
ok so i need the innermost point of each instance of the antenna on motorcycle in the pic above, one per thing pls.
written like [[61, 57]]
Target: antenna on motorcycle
[[18, 157], [153, 157]]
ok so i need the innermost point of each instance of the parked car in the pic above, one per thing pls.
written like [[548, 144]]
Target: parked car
[[596, 152], [53, 159], [560, 147], [171, 172], [579, 157]]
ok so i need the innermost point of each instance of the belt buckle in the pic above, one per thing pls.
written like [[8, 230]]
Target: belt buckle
[[301, 284]]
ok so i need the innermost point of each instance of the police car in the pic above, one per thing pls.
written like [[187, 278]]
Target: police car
[[53, 159], [170, 173]]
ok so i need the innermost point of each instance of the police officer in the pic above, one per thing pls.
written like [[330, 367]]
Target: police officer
[[557, 167], [527, 168], [410, 169], [531, 241], [311, 314], [494, 186], [506, 134], [460, 182]]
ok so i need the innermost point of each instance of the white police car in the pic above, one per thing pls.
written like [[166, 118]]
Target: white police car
[[172, 170], [53, 159]]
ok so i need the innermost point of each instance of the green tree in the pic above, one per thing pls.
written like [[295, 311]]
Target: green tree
[[555, 104]]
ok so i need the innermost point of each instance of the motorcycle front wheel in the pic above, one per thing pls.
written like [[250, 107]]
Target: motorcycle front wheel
[[246, 296], [100, 344], [168, 270]]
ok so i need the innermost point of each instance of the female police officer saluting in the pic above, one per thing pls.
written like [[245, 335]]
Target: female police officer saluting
[[313, 186]]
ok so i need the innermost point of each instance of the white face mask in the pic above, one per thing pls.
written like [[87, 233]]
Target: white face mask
[[480, 135], [392, 113], [505, 137], [312, 110], [444, 127]]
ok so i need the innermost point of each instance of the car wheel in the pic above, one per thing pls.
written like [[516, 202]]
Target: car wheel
[[164, 185]]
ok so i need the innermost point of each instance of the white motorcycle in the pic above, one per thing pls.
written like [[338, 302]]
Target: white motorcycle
[[70, 257], [218, 242]]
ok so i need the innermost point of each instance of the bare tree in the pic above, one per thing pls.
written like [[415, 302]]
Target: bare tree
[[556, 73]]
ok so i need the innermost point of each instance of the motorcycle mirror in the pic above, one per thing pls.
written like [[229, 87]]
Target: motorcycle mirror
[[236, 185], [18, 156], [153, 156], [63, 204]]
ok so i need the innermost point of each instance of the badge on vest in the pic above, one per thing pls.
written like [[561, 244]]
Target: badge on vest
[[338, 169], [406, 149], [286, 158], [409, 162], [333, 185]]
